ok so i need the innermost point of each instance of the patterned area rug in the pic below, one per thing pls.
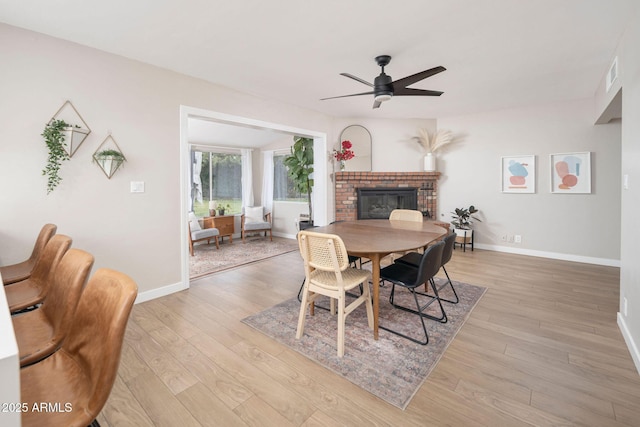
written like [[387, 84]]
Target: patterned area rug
[[392, 368], [207, 259]]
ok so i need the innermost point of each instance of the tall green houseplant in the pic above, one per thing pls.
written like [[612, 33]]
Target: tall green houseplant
[[54, 138], [300, 167]]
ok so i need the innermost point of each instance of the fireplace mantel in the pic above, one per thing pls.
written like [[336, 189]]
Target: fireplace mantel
[[347, 183]]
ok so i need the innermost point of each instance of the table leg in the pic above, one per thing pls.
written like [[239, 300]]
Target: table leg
[[375, 277]]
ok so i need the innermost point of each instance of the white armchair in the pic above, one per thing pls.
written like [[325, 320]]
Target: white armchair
[[197, 233], [255, 219]]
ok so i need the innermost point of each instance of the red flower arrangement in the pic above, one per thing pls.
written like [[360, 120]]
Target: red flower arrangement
[[345, 152]]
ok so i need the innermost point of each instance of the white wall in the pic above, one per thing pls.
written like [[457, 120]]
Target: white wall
[[581, 227], [630, 267], [139, 234], [393, 148]]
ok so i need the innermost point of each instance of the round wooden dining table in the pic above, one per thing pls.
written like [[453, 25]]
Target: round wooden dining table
[[376, 238]]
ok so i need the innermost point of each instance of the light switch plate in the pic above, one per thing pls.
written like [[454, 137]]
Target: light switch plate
[[137, 186]]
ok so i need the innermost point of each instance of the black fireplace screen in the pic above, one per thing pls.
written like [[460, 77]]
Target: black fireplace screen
[[377, 203]]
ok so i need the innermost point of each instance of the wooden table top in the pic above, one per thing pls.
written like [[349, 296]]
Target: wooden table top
[[383, 236]]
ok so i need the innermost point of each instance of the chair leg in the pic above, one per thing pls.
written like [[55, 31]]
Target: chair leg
[[441, 319], [303, 313], [420, 315], [367, 303], [217, 243], [341, 322], [449, 282], [270, 235], [444, 285]]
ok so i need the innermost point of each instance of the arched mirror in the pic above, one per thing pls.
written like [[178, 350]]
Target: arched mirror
[[361, 140]]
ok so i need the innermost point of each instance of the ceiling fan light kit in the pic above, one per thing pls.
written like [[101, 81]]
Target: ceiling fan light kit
[[384, 88]]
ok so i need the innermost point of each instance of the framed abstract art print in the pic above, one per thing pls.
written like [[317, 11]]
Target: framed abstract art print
[[571, 173], [519, 174]]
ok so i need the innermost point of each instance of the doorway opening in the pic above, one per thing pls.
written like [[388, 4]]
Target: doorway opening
[[192, 117]]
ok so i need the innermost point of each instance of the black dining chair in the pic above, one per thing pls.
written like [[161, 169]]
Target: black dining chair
[[413, 259], [411, 277]]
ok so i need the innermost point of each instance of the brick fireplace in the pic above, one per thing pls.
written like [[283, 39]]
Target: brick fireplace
[[347, 184]]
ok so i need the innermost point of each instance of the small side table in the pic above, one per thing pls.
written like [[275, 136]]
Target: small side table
[[224, 223]]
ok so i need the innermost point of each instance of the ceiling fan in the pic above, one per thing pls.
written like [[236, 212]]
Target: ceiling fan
[[384, 88]]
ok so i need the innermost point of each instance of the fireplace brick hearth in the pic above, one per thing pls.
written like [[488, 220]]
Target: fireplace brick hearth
[[347, 183]]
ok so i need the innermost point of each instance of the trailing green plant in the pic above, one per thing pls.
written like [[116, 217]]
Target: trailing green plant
[[462, 217], [300, 167], [55, 140]]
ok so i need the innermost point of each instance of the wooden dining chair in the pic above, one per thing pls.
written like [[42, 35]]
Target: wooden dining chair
[[404, 215], [21, 271], [327, 273], [82, 372], [41, 332], [32, 291]]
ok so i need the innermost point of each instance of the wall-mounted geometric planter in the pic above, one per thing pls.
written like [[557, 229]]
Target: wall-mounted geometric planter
[[109, 156], [75, 133]]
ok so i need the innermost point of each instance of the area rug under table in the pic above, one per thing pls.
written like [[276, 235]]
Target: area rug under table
[[392, 368]]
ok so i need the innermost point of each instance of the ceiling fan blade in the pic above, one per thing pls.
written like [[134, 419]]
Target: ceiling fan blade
[[358, 79], [345, 96], [376, 104], [416, 92], [409, 80]]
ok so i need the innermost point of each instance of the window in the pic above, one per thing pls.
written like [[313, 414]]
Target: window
[[283, 187], [216, 176]]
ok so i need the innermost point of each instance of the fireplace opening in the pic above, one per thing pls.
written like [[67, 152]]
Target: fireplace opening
[[377, 203]]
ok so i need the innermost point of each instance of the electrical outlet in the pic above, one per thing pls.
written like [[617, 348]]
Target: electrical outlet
[[510, 239], [517, 238], [504, 237], [624, 306]]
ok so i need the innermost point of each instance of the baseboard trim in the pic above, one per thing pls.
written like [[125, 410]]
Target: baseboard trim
[[284, 235], [631, 345], [160, 292], [553, 255]]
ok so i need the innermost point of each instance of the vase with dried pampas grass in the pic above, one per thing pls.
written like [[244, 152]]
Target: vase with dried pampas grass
[[431, 144]]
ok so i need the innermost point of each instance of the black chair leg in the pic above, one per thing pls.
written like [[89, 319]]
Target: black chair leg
[[441, 319], [444, 285], [300, 291], [421, 315], [449, 282]]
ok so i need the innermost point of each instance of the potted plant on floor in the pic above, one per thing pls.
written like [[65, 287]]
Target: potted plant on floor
[[300, 167], [462, 223]]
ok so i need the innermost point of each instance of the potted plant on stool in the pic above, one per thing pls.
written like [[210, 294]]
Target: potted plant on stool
[[462, 225]]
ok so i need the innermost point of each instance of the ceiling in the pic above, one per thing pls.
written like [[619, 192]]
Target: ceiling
[[498, 53]]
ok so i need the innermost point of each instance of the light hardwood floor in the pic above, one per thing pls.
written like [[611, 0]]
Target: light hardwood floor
[[541, 348]]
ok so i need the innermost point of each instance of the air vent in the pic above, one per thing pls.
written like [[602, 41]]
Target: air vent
[[612, 75]]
